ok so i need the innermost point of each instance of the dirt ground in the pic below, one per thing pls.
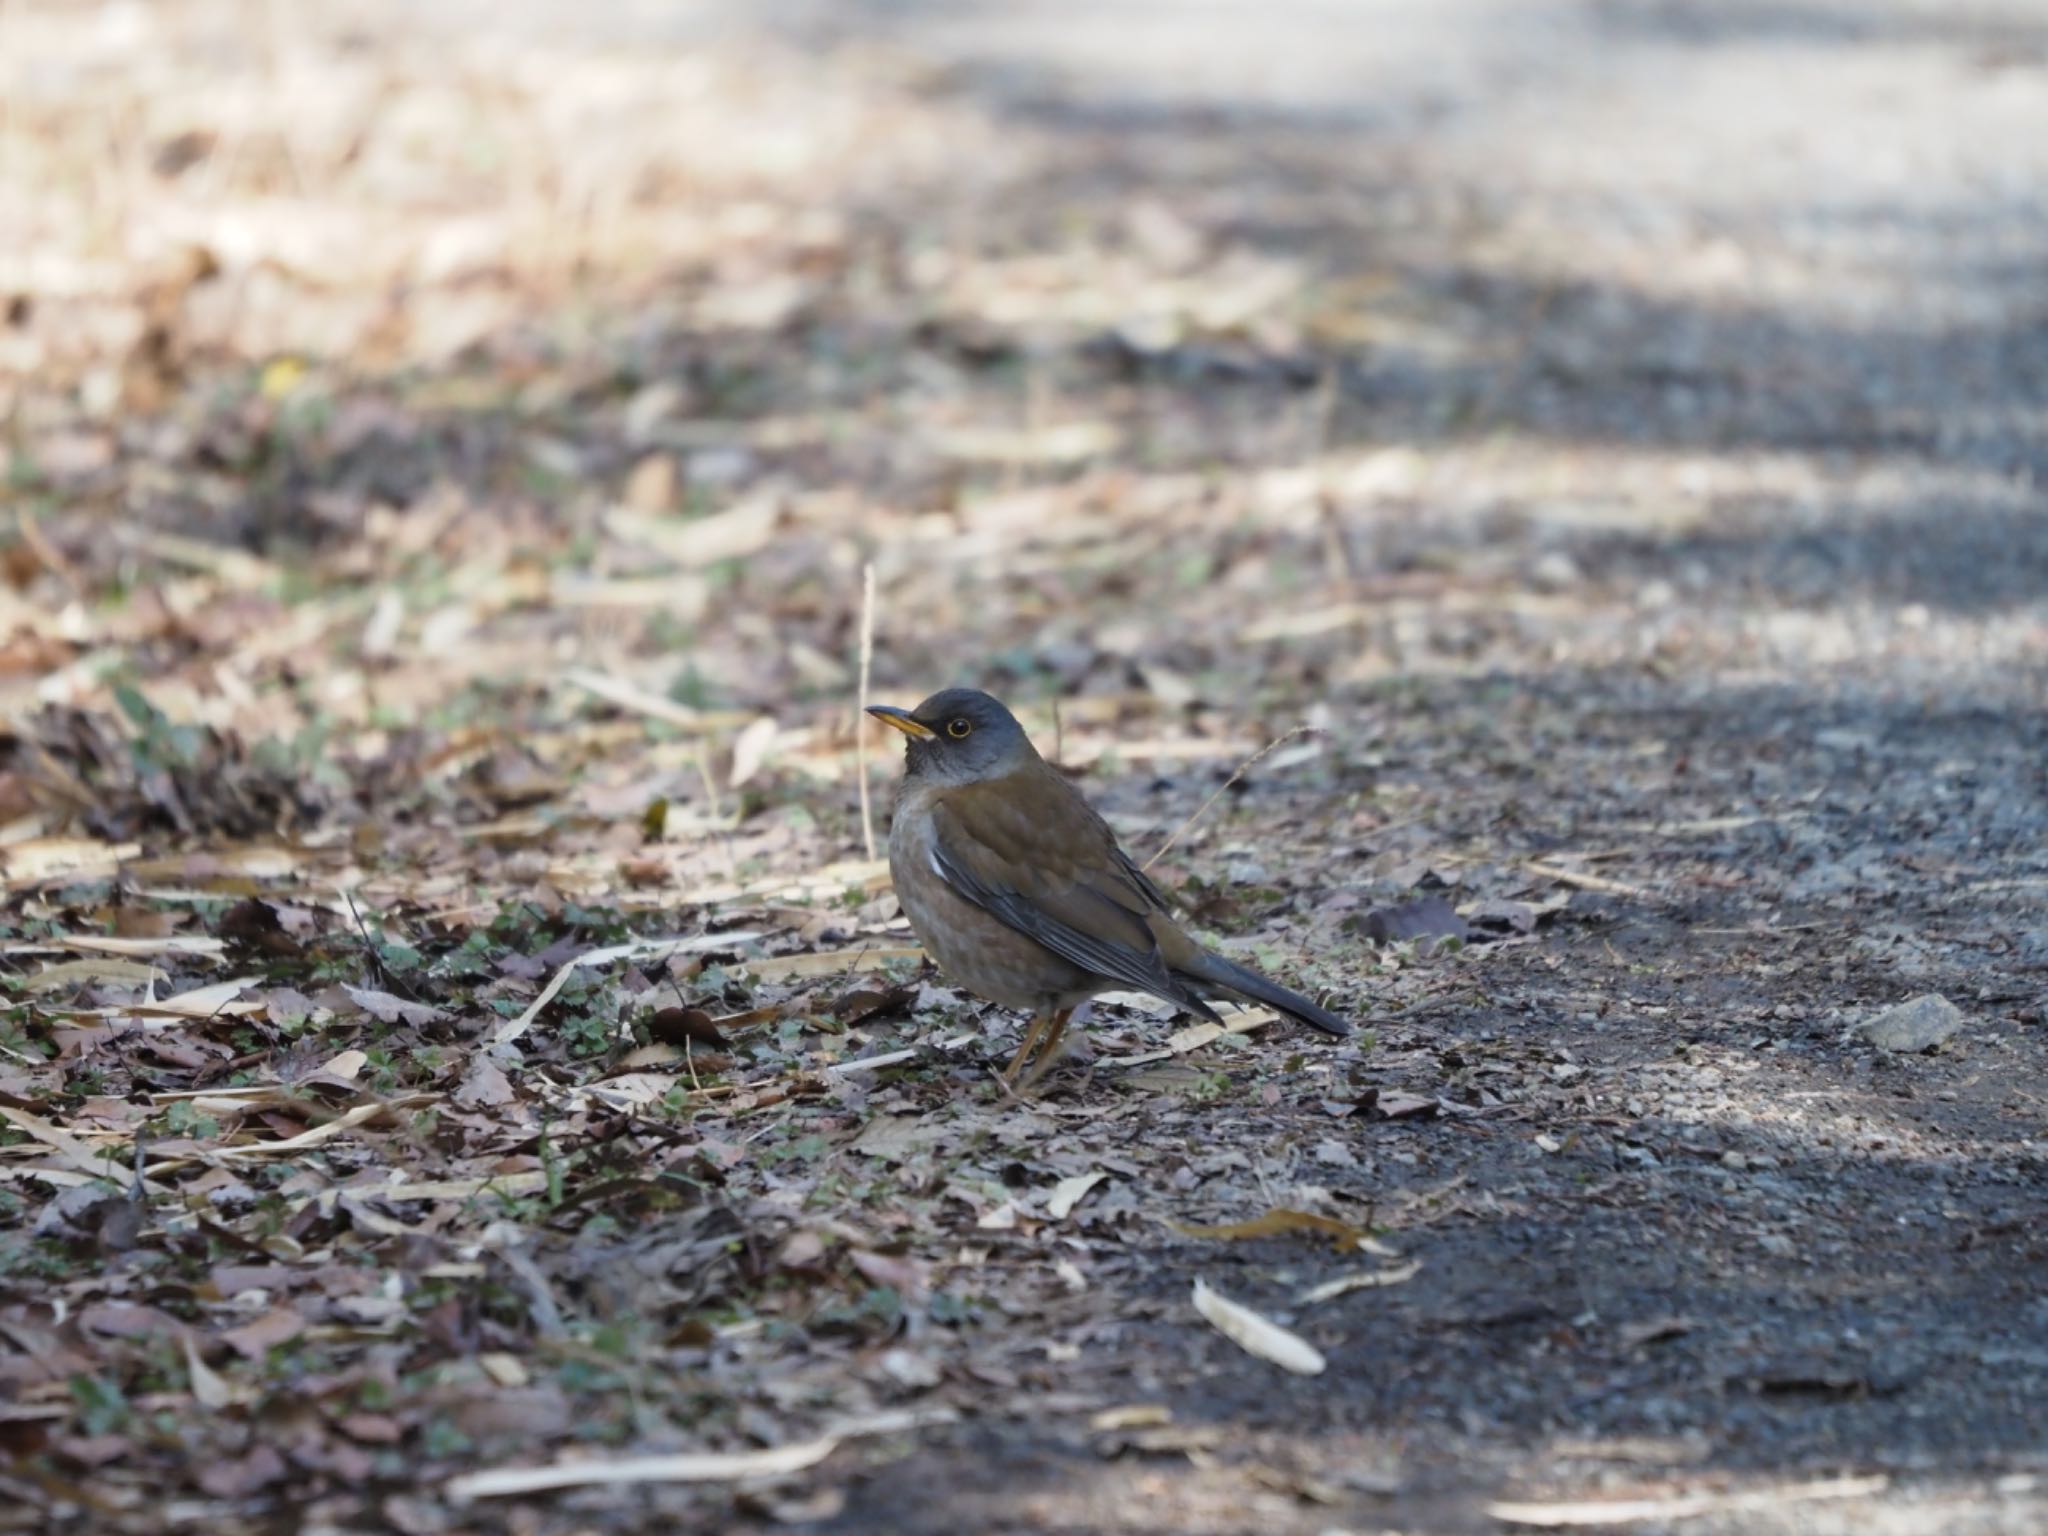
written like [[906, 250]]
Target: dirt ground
[[454, 1021]]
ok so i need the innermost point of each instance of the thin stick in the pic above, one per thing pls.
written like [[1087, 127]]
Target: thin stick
[[1587, 882], [380, 973], [1242, 769], [860, 719]]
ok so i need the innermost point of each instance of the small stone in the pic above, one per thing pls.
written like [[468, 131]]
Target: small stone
[[908, 1368], [1554, 571], [651, 487], [1916, 1025]]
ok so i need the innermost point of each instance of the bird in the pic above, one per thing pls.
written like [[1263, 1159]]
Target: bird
[[1020, 892]]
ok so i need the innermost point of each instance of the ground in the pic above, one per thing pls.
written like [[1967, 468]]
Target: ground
[[455, 1020]]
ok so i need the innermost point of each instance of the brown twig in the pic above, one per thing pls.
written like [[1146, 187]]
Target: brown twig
[[1203, 809], [860, 719], [380, 973], [1586, 882]]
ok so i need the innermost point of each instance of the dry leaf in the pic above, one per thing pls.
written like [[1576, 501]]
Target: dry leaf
[[1429, 918], [1002, 1219], [254, 1339], [506, 1370], [101, 944], [697, 1467], [73, 973], [1069, 1193], [216, 1001], [750, 750], [893, 1138], [1584, 1513], [345, 1065], [1404, 1106], [483, 1085], [45, 858], [1344, 1284], [1256, 1335], [209, 1388], [386, 1008], [1279, 1222], [1132, 1416]]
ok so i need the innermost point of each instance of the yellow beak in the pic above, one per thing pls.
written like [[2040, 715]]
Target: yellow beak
[[901, 720]]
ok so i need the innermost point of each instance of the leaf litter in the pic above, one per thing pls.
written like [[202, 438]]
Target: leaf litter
[[457, 1041]]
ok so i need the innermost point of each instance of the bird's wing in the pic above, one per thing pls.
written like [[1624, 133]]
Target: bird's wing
[[1030, 851]]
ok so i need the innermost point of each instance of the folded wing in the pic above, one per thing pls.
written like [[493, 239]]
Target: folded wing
[[1044, 863]]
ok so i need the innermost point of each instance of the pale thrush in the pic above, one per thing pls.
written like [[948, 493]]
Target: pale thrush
[[1019, 891]]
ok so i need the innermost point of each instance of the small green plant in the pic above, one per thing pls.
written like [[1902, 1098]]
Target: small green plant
[[181, 1119], [102, 1406], [160, 744]]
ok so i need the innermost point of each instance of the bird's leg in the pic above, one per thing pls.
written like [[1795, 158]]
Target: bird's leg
[[1048, 1051], [1039, 1021]]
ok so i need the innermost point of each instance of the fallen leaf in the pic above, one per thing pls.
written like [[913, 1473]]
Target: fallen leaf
[[209, 1388], [100, 944], [674, 1026], [506, 1370], [750, 750], [1132, 1416], [1344, 1284], [216, 1001], [1431, 917], [257, 1337], [901, 1274], [74, 973], [1653, 1330], [1403, 1106], [1258, 1336], [345, 1065], [387, 1009], [892, 1138], [690, 1467], [1280, 1221], [1582, 1513], [239, 1476], [40, 859], [867, 1002], [483, 1085], [1069, 1193]]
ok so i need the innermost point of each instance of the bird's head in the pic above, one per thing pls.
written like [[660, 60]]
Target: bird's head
[[959, 736]]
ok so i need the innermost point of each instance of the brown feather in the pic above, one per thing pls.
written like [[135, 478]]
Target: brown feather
[[1029, 850], [1019, 890]]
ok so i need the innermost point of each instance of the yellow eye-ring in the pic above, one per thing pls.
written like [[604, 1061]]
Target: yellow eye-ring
[[958, 728]]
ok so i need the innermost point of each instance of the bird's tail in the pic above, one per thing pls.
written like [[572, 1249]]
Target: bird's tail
[[1232, 977]]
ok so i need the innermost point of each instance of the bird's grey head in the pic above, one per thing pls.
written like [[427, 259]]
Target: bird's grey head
[[959, 736]]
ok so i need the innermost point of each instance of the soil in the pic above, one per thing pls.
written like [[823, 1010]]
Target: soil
[[1615, 431]]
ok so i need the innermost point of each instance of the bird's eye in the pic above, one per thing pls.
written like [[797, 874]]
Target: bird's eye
[[958, 728]]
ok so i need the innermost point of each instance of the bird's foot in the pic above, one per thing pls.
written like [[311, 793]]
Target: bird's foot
[[1041, 1049], [1032, 1036]]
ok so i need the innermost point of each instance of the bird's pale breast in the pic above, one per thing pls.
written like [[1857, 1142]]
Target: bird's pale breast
[[975, 950]]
